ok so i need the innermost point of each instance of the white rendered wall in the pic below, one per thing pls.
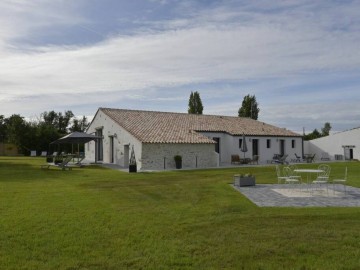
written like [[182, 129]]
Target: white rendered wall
[[333, 144], [123, 141], [229, 145]]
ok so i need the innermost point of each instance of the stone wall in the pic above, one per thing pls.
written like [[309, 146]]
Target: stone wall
[[161, 156], [7, 149]]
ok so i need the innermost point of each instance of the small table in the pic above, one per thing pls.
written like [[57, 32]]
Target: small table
[[308, 171]]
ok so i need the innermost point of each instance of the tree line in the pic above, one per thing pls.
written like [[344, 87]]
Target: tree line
[[38, 134], [50, 126]]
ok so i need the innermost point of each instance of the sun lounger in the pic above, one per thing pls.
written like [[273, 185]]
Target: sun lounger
[[79, 160], [62, 165]]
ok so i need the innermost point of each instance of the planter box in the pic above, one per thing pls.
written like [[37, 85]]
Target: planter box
[[244, 181], [132, 168]]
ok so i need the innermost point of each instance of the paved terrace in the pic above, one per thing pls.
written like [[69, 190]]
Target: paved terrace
[[284, 195]]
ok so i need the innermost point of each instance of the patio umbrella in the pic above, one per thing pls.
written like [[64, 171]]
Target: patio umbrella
[[244, 148]]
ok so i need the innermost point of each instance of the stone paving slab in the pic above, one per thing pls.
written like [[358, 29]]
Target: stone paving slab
[[269, 195]]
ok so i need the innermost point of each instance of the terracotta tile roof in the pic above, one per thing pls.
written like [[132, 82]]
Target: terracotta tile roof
[[165, 127]]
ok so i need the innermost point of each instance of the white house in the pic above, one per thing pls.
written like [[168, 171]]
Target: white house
[[203, 141], [339, 146]]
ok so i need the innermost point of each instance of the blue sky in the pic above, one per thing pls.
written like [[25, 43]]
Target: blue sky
[[301, 59]]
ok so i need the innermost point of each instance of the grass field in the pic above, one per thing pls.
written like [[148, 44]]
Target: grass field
[[95, 218]]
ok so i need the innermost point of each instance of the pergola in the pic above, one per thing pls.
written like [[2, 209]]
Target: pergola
[[76, 138]]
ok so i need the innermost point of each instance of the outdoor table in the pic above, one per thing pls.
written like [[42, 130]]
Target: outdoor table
[[308, 172]]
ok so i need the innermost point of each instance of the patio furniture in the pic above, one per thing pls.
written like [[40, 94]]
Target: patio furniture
[[308, 172], [289, 177], [322, 177], [254, 160], [33, 153], [341, 180], [293, 173], [79, 159], [51, 158], [62, 165], [280, 178], [325, 172], [235, 159], [280, 159], [298, 158], [43, 153], [309, 158]]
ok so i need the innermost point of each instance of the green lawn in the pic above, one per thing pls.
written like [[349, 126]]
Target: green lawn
[[95, 218]]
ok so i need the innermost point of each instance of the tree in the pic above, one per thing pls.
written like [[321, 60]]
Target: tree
[[313, 135], [58, 120], [195, 104], [79, 125], [2, 128], [64, 121], [18, 131], [316, 134], [37, 135], [249, 107], [325, 131]]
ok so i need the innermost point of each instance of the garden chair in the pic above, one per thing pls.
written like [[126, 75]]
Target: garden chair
[[280, 178], [235, 159], [290, 179], [254, 160], [282, 159], [341, 180], [279, 159], [293, 174], [323, 177], [310, 158], [298, 158]]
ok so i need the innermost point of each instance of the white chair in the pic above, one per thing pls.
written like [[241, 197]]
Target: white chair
[[293, 174], [33, 153], [341, 181], [288, 174], [323, 176], [280, 178]]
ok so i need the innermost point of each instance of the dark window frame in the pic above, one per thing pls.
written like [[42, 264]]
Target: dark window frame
[[268, 143]]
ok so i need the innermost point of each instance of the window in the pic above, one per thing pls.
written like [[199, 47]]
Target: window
[[240, 143], [268, 143], [217, 145], [293, 143]]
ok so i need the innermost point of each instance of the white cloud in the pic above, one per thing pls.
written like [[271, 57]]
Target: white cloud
[[221, 44]]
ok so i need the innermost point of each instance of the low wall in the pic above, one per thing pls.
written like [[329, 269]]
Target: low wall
[[7, 149]]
